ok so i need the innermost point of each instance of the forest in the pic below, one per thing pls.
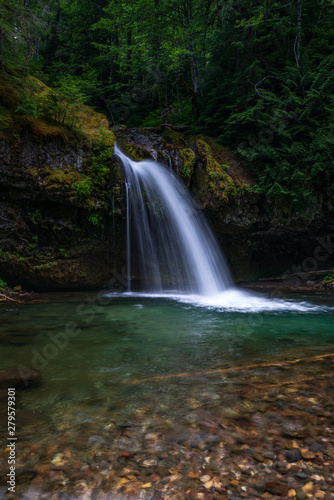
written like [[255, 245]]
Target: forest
[[258, 76]]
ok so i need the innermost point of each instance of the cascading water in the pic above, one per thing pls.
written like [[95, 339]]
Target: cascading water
[[175, 247]]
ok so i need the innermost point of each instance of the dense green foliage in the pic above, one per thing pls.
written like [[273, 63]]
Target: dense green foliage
[[258, 75]]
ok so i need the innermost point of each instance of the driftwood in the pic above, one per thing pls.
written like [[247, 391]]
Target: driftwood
[[9, 298], [272, 386], [230, 369]]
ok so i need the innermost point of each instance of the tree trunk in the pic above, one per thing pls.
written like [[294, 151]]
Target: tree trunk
[[194, 72], [298, 37], [27, 29], [1, 54]]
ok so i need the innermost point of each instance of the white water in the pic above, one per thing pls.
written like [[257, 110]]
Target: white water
[[171, 243], [128, 237], [232, 300]]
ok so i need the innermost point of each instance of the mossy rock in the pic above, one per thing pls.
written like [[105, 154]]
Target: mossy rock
[[134, 151], [6, 120], [189, 161], [25, 99], [216, 180]]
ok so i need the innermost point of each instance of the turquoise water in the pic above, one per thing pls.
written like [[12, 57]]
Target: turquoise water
[[134, 338]]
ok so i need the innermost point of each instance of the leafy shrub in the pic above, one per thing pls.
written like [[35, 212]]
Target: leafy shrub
[[2, 283]]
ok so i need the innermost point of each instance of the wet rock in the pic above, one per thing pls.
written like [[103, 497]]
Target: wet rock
[[150, 463], [20, 379], [308, 487], [282, 467], [279, 489], [301, 475], [292, 456], [258, 457], [291, 444], [319, 461], [293, 430], [301, 495], [307, 454], [26, 475]]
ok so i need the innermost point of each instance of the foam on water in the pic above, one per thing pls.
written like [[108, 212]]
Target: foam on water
[[231, 300]]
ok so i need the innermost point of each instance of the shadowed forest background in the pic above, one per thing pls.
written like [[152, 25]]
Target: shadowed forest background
[[257, 76]]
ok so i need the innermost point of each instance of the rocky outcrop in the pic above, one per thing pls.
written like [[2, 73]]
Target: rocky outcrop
[[61, 198], [57, 219]]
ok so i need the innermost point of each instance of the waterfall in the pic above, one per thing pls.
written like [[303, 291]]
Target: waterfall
[[168, 238], [128, 236]]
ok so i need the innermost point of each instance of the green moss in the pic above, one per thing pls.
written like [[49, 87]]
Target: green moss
[[6, 120], [96, 219], [2, 283], [135, 152], [27, 103], [46, 265], [83, 188], [217, 181], [173, 137], [189, 160]]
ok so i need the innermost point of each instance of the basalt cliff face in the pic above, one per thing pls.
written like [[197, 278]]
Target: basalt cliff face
[[63, 207]]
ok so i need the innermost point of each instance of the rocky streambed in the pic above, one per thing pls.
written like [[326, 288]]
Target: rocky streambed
[[259, 431]]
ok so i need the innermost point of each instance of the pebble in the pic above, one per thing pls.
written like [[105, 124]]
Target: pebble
[[293, 430], [59, 460], [301, 495], [193, 475], [282, 467], [292, 456], [149, 463], [289, 445], [301, 475], [205, 478], [308, 487], [308, 455], [274, 488]]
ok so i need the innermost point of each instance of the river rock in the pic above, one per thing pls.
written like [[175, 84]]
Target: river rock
[[308, 455], [292, 456], [301, 475], [279, 489], [19, 379]]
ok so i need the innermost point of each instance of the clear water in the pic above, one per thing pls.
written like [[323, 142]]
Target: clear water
[[137, 337]]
